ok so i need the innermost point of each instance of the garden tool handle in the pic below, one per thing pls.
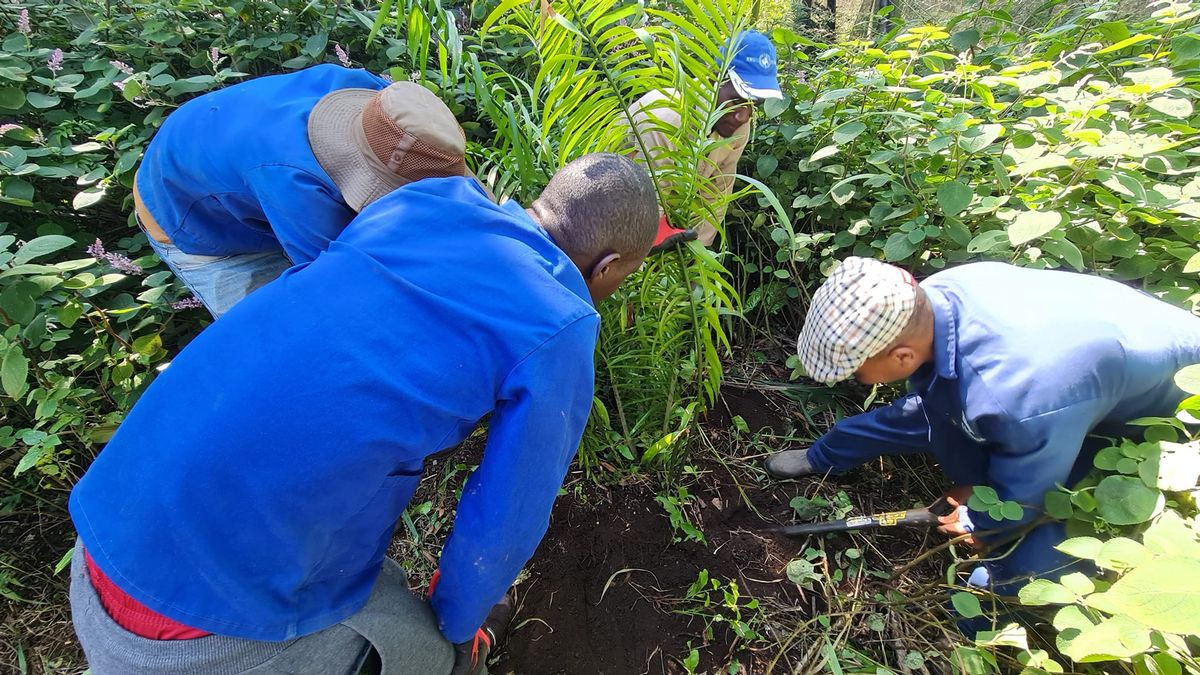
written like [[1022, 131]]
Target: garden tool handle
[[922, 516]]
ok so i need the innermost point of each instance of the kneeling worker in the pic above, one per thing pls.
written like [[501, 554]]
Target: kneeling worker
[[243, 182], [1010, 370], [237, 521]]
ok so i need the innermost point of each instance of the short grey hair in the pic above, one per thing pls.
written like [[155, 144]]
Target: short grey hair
[[598, 204]]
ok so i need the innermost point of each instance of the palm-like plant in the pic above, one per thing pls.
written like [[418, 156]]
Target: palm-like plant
[[662, 337], [580, 66]]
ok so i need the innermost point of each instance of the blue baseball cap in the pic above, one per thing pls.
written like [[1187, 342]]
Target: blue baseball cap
[[753, 69]]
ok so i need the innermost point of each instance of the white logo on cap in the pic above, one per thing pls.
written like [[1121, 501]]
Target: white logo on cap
[[764, 61]]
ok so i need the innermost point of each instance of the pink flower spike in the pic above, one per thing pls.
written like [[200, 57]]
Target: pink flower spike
[[121, 67], [342, 55], [23, 26], [55, 62], [5, 128], [187, 303]]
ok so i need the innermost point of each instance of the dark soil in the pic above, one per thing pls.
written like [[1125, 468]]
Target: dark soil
[[605, 590], [605, 582]]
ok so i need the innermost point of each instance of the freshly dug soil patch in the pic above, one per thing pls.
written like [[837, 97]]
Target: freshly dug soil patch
[[605, 588]]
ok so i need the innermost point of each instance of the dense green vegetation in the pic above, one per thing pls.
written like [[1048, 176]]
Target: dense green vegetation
[[1071, 144]]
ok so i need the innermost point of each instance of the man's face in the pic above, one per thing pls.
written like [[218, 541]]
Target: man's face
[[739, 111], [604, 283]]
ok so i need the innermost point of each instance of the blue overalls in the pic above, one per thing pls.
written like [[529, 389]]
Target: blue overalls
[[1027, 363]]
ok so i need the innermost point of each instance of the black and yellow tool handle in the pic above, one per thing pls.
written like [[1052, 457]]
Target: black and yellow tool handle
[[927, 516]]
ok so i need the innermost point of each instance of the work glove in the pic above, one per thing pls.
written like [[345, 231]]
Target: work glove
[[669, 237], [955, 518], [470, 657]]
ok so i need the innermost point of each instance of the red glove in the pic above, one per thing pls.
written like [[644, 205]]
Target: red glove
[[669, 237], [470, 657], [433, 581]]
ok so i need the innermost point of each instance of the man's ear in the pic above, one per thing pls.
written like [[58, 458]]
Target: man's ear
[[904, 355], [603, 267]]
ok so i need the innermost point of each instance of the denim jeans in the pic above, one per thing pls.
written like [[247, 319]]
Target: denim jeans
[[220, 281]]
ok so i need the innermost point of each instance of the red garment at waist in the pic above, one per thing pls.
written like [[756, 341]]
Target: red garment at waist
[[132, 615]]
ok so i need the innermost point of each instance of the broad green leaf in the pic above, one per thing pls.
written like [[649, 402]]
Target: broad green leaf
[[1188, 379], [1170, 535], [1071, 617], [985, 242], [766, 165], [1121, 553], [87, 197], [827, 151], [315, 45], [41, 246], [1161, 593], [1193, 264], [1030, 225], [966, 604], [986, 494], [964, 39], [1122, 500], [1065, 250], [1112, 639], [17, 301], [17, 191], [1081, 547], [985, 135], [1011, 635], [1045, 592], [848, 132], [1176, 468], [1012, 511], [33, 456], [148, 344], [1077, 583], [11, 98], [953, 196], [1127, 42], [14, 371], [43, 101], [69, 313], [898, 247], [1174, 107], [1058, 505], [801, 572]]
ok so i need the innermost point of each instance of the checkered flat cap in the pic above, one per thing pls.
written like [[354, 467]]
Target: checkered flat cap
[[860, 309]]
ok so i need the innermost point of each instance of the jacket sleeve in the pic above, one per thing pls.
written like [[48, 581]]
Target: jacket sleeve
[[304, 213], [505, 505], [900, 428], [1029, 457]]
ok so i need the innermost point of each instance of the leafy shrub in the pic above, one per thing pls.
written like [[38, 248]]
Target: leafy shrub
[[1061, 149]]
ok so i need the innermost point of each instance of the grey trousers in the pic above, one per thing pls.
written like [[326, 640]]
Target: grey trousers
[[401, 628]]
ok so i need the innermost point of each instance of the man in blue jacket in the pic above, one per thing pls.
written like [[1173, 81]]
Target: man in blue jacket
[[241, 183], [1010, 370], [246, 502]]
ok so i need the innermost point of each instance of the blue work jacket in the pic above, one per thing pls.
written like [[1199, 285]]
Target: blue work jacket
[[1026, 364], [232, 172], [253, 489]]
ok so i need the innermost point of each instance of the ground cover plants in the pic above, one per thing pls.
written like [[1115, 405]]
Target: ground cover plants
[[1066, 139]]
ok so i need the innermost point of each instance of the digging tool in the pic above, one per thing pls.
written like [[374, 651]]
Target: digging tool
[[927, 516]]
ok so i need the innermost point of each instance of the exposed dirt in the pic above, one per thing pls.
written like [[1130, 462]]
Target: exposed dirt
[[605, 591], [605, 586]]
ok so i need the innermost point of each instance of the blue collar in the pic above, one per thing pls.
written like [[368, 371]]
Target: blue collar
[[945, 333]]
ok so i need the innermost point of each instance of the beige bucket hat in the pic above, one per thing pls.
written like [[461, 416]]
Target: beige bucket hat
[[372, 142]]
